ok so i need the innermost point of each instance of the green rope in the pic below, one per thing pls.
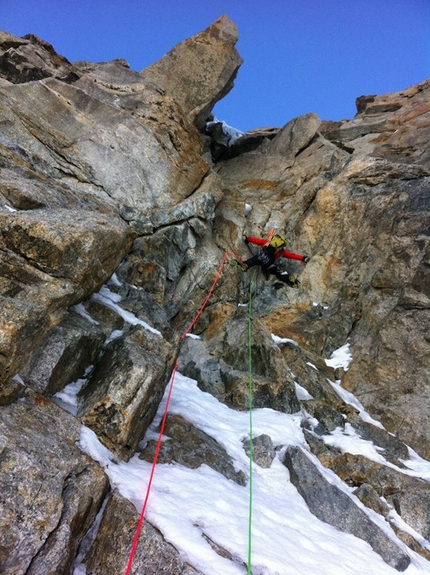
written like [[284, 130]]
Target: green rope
[[250, 425]]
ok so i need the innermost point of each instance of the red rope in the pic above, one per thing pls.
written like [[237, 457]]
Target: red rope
[[166, 409], [157, 450], [199, 313]]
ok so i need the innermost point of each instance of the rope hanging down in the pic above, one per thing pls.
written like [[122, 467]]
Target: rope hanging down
[[166, 409], [250, 425]]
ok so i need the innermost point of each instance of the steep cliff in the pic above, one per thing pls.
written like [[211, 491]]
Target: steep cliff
[[118, 204]]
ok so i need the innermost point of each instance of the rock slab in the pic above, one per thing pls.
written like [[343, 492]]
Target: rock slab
[[334, 506]]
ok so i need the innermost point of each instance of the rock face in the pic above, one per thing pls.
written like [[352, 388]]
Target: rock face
[[50, 491], [116, 207], [226, 350], [362, 212], [111, 554], [30, 58]]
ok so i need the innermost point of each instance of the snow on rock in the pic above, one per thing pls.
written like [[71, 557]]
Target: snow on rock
[[340, 357], [191, 506]]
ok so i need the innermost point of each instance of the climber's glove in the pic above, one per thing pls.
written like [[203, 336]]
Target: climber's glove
[[245, 238], [305, 259]]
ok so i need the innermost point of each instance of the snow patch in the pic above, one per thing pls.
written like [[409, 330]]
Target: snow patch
[[340, 358], [67, 398], [113, 280], [10, 208], [193, 336], [278, 340], [349, 441], [232, 134], [349, 398], [80, 310], [312, 365], [186, 504], [18, 378], [111, 300], [302, 393]]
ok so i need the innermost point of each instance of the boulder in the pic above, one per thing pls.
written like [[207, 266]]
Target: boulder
[[42, 275], [334, 506], [64, 355], [192, 448], [408, 496], [50, 239], [263, 451], [294, 136], [123, 392]]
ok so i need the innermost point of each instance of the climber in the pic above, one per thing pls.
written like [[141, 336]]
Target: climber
[[269, 256]]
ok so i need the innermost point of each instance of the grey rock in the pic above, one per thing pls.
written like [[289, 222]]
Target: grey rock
[[44, 277], [123, 392], [64, 355], [192, 447], [263, 451], [229, 379], [143, 306], [408, 496], [314, 378], [369, 496], [334, 506], [195, 361], [10, 391], [111, 551], [329, 418], [295, 136], [30, 58], [50, 492], [199, 71], [107, 319]]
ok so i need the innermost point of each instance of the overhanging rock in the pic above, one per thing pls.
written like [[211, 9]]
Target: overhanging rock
[[199, 71]]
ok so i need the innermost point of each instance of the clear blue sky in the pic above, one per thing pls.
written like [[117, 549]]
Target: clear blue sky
[[299, 55]]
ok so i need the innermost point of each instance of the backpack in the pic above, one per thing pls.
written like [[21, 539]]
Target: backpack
[[277, 242]]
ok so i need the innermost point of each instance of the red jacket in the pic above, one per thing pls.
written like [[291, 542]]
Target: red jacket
[[279, 254]]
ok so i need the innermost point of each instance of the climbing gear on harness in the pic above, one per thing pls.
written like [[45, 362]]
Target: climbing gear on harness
[[292, 281], [287, 279]]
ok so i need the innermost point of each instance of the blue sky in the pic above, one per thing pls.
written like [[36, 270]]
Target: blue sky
[[299, 55]]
